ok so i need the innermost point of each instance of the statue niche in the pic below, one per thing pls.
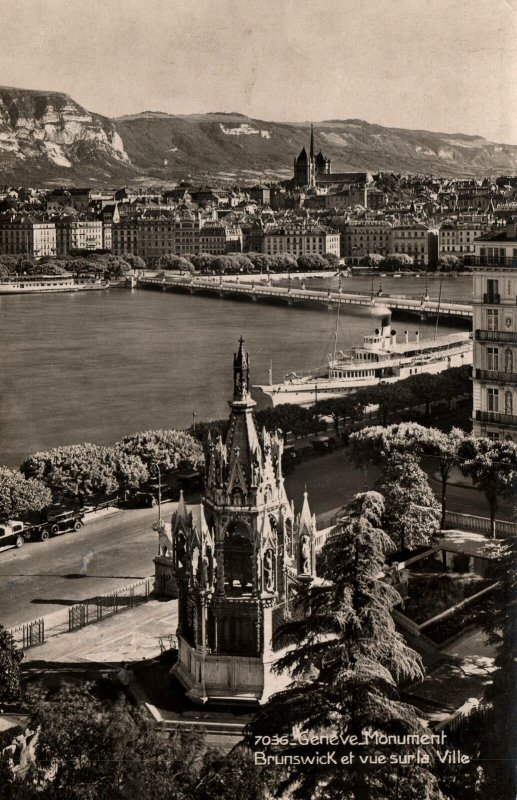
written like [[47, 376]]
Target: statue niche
[[238, 553], [269, 571], [305, 555]]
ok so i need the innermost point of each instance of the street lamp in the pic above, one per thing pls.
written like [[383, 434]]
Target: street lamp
[[158, 470]]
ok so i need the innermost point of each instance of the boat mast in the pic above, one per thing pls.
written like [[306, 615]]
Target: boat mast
[[336, 330], [438, 309]]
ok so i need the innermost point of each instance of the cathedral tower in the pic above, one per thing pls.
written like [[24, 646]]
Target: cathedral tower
[[236, 559]]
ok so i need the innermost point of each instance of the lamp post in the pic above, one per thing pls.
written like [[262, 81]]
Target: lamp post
[[159, 473]]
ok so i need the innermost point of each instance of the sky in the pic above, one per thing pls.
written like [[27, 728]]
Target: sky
[[440, 65]]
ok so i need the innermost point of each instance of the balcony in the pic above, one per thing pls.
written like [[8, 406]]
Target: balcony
[[495, 416], [492, 299], [493, 261], [496, 336], [496, 377]]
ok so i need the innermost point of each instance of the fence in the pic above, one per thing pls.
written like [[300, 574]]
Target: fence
[[85, 612], [466, 522], [97, 608], [30, 634]]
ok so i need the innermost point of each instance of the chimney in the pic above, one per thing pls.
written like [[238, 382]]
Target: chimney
[[417, 337]]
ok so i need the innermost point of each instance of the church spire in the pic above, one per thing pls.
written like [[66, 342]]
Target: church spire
[[241, 373], [312, 142]]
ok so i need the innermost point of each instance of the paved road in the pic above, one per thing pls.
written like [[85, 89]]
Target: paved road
[[47, 576]]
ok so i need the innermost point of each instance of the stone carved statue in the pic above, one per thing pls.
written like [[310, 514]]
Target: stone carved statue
[[269, 577], [305, 555]]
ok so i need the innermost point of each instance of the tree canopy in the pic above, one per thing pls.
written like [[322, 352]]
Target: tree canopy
[[492, 465], [411, 509], [21, 496], [10, 660]]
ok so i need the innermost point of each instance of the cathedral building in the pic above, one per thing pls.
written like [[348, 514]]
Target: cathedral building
[[236, 561], [308, 168]]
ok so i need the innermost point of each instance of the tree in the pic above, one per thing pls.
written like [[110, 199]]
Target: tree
[[411, 509], [398, 261], [346, 659], [20, 496], [332, 260], [492, 465], [130, 470], [10, 660], [74, 471], [283, 262], [203, 262], [389, 397], [289, 418], [109, 751], [312, 262], [171, 261], [445, 448], [373, 260], [167, 449], [497, 728], [135, 262], [231, 776], [260, 261], [425, 389], [375, 445]]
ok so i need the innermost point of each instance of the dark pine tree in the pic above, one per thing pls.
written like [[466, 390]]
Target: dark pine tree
[[345, 661]]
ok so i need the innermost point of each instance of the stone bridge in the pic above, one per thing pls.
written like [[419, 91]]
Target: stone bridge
[[302, 297]]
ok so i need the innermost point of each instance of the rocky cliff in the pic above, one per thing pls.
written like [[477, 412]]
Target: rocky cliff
[[46, 137]]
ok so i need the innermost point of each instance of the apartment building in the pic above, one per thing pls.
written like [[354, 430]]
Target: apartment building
[[457, 238], [77, 234], [28, 237], [296, 239], [362, 237], [495, 336]]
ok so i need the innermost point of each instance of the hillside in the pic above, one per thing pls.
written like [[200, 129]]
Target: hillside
[[46, 137]]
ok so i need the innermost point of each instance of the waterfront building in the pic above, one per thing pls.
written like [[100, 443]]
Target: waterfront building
[[457, 238], [218, 238], [236, 561], [299, 238], [412, 239], [495, 335], [362, 237], [25, 236], [78, 234]]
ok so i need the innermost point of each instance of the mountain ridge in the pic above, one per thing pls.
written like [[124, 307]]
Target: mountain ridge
[[46, 137]]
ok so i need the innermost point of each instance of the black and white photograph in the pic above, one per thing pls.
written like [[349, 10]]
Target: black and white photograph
[[258, 399]]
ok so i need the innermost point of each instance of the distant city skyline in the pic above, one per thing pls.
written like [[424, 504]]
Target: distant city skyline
[[439, 65]]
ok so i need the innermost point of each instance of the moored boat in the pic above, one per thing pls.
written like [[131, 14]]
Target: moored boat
[[380, 360], [42, 284]]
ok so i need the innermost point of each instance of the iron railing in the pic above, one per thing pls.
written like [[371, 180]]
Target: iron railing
[[496, 336], [496, 377], [496, 416]]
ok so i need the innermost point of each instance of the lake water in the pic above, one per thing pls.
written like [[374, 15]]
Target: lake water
[[95, 366]]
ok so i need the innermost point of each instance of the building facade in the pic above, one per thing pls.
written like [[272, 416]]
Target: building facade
[[28, 237], [300, 238], [235, 560], [495, 337]]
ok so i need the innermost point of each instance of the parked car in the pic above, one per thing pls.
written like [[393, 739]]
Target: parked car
[[12, 534]]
